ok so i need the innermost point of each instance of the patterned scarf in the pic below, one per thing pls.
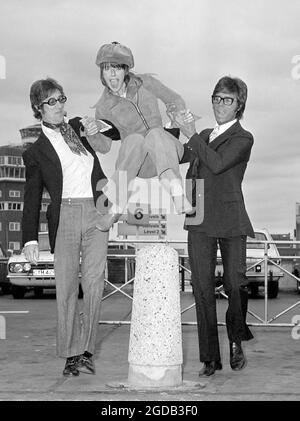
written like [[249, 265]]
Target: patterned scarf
[[69, 135]]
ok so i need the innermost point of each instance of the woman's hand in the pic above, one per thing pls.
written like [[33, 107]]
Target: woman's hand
[[90, 125]]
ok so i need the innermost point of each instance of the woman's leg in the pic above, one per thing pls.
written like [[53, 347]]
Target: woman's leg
[[166, 151], [129, 161]]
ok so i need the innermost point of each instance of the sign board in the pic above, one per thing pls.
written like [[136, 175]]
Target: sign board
[[158, 217], [151, 229], [138, 214], [152, 217]]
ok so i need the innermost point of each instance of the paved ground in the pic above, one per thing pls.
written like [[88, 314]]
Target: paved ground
[[30, 370]]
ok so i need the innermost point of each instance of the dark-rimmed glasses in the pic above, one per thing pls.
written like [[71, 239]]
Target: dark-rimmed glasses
[[227, 100], [52, 101]]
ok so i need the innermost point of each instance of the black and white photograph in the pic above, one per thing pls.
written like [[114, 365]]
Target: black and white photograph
[[149, 204]]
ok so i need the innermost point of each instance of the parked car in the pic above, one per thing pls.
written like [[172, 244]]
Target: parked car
[[256, 266], [296, 272], [4, 283], [24, 276]]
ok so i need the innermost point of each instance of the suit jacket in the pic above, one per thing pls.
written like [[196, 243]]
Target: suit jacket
[[222, 164], [43, 170]]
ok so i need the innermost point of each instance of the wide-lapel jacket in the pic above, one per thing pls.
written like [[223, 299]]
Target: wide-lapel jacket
[[221, 164], [43, 170]]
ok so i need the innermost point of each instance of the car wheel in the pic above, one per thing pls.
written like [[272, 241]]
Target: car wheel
[[38, 292], [253, 287], [17, 291], [6, 289], [273, 289]]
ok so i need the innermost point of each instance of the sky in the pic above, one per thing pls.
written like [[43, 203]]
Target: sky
[[189, 45]]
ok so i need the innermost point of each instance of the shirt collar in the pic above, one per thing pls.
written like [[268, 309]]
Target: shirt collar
[[223, 127]]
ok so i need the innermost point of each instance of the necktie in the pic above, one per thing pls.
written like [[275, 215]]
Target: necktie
[[214, 133], [69, 135]]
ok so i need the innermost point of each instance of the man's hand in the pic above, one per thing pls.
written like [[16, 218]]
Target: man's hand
[[187, 123], [90, 125], [31, 252]]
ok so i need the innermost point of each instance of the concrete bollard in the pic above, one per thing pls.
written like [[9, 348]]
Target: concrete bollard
[[155, 345]]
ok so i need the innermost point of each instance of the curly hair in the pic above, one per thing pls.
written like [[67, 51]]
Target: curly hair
[[39, 91]]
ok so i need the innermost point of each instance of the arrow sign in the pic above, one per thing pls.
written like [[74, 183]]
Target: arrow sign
[[127, 229]]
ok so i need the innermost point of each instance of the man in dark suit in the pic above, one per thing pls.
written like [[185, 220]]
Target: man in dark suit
[[62, 162], [220, 157]]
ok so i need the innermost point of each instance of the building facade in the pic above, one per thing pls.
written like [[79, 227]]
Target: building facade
[[12, 182]]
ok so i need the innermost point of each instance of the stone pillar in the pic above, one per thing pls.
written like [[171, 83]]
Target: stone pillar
[[155, 345]]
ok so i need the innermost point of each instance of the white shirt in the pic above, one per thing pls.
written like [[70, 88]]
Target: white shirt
[[77, 169], [220, 129]]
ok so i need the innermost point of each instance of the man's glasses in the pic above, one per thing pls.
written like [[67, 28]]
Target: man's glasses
[[52, 101], [216, 99]]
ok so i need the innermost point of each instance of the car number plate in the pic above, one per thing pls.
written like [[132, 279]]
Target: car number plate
[[43, 272]]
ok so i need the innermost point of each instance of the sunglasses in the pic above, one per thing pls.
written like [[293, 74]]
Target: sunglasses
[[52, 101]]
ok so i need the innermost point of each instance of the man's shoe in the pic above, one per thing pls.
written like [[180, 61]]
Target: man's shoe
[[237, 358], [71, 367], [86, 365], [107, 221], [209, 368]]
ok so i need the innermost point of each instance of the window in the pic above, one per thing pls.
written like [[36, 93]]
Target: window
[[20, 172], [14, 226], [46, 195], [14, 160], [0, 193], [14, 245], [44, 241], [11, 206], [14, 206], [43, 227], [0, 226], [14, 193], [44, 207], [12, 172]]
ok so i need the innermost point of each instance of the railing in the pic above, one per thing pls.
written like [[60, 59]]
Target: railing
[[268, 261]]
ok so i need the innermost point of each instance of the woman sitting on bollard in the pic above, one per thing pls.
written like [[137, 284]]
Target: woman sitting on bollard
[[130, 102]]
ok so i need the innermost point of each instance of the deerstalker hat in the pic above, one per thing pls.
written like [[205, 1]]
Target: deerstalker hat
[[115, 53]]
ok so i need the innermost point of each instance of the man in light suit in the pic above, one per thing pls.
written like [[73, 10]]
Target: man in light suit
[[62, 162], [220, 158]]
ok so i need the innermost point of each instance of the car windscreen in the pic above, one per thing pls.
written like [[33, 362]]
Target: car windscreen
[[44, 242], [258, 236]]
